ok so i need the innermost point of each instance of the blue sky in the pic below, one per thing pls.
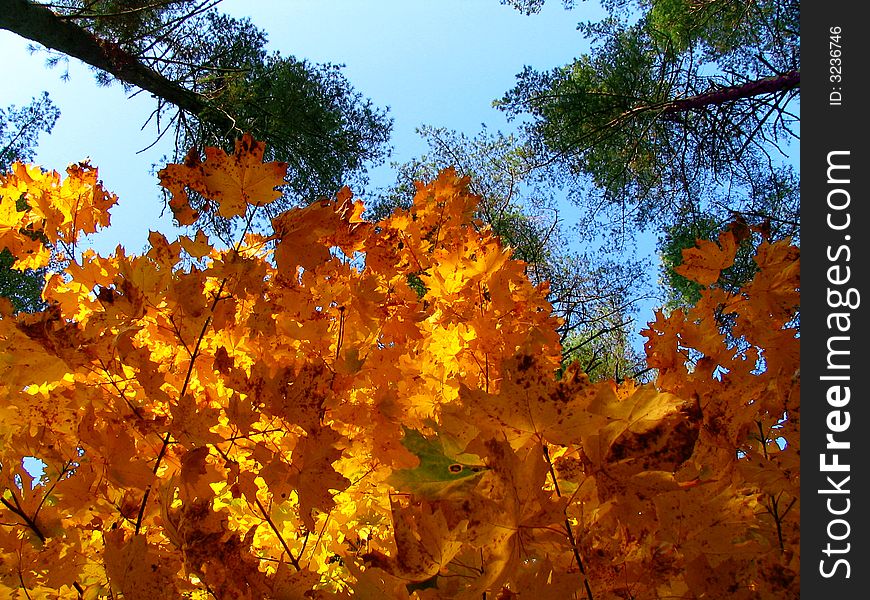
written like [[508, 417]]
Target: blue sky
[[437, 63]]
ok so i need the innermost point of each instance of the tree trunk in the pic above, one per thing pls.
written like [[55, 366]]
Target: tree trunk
[[768, 85], [39, 24]]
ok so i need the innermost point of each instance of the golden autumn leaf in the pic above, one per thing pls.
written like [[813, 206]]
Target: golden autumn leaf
[[540, 578], [198, 246], [513, 513], [775, 289], [425, 542], [23, 360], [195, 418], [315, 479], [530, 403], [373, 583], [655, 431], [162, 253], [707, 259], [236, 180], [126, 469], [29, 251], [232, 180], [349, 409], [196, 475], [182, 211], [137, 570], [305, 235]]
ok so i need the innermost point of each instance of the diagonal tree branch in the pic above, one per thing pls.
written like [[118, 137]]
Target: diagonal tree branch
[[39, 24], [766, 85]]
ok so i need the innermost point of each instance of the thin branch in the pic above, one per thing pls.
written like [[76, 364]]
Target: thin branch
[[187, 378], [293, 560], [19, 512], [568, 533]]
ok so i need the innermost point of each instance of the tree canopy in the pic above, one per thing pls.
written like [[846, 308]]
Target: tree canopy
[[288, 417], [213, 80], [680, 108], [19, 130]]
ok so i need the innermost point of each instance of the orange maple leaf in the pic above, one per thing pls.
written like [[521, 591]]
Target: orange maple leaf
[[232, 180], [706, 261], [236, 180], [305, 235], [138, 569], [316, 478], [530, 403]]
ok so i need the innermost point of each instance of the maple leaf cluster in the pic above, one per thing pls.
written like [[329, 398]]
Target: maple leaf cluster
[[364, 409]]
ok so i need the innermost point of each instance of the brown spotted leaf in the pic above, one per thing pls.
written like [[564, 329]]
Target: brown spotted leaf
[[532, 404], [652, 430]]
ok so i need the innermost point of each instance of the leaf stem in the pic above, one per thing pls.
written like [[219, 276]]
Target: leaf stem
[[141, 514], [574, 549], [293, 560], [193, 356], [21, 580], [31, 524], [17, 510]]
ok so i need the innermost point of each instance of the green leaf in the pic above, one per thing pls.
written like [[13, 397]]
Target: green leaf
[[438, 475]]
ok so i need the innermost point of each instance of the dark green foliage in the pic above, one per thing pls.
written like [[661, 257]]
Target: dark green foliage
[[308, 114], [677, 106], [584, 114], [214, 80], [19, 130], [125, 21], [416, 284], [22, 288]]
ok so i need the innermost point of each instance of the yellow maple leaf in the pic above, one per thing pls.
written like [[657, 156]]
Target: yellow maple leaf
[[137, 569], [315, 479], [164, 254], [532, 404], [28, 249], [198, 246], [305, 235], [232, 180], [236, 180], [654, 431], [775, 289], [425, 541], [196, 475], [706, 261]]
